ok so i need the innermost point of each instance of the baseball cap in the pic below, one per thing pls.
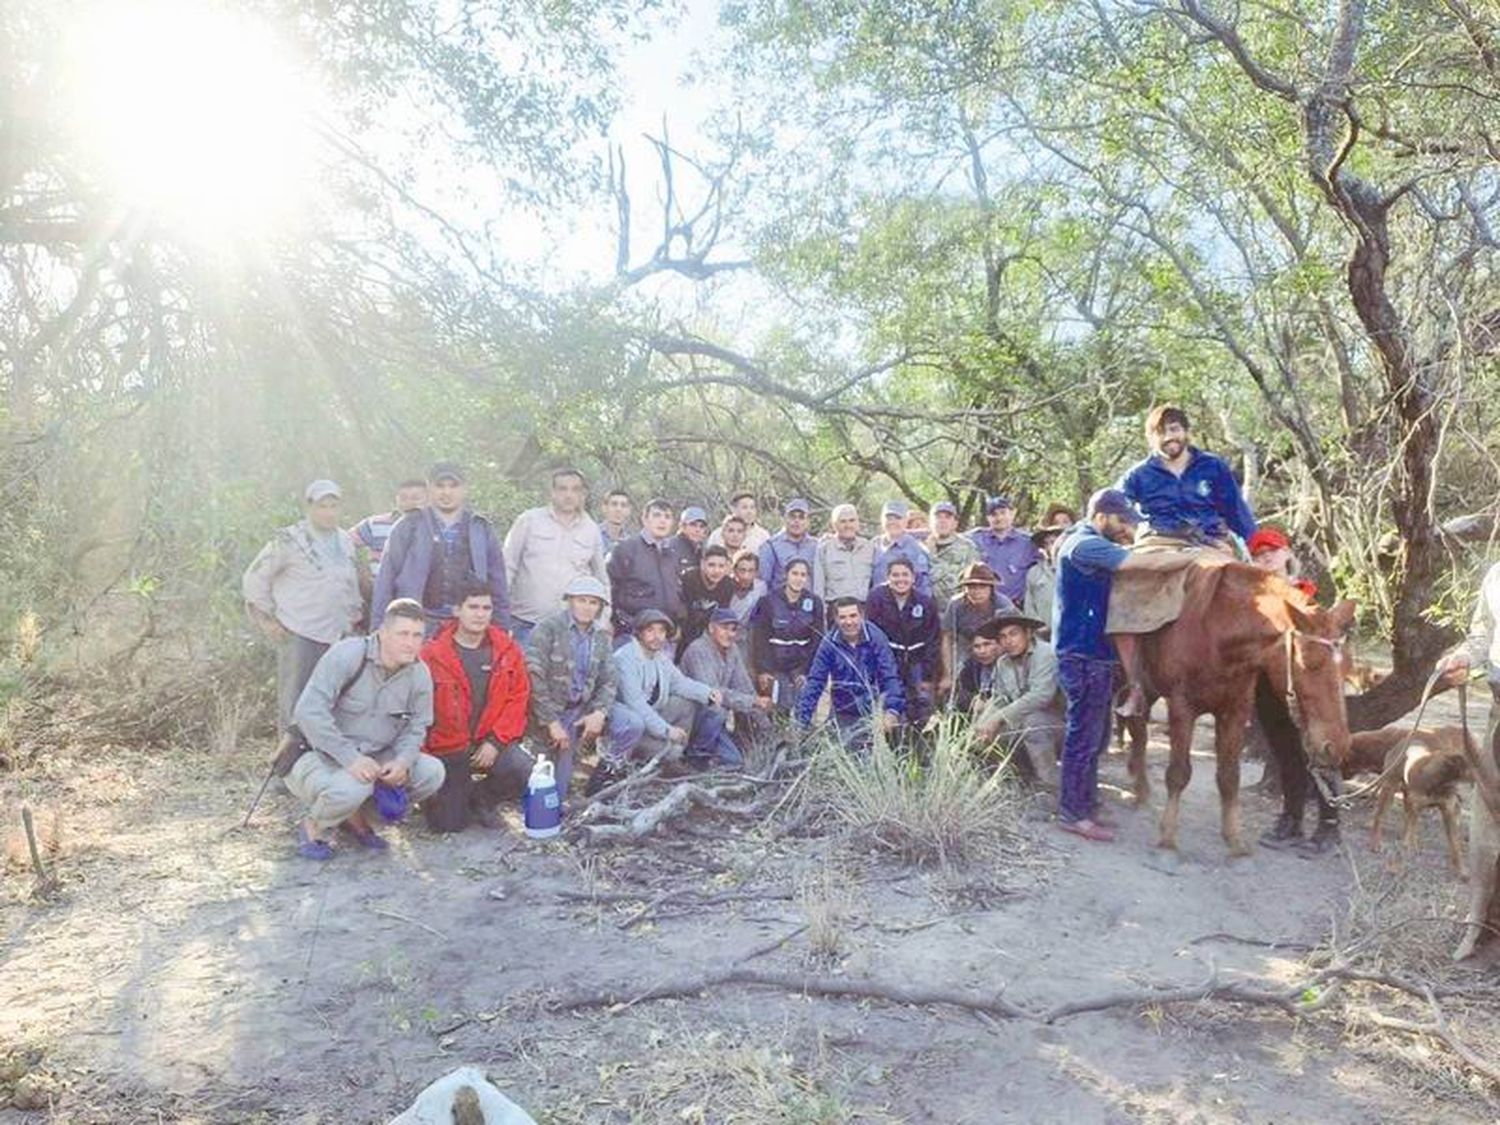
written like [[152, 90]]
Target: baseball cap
[[994, 503], [797, 505], [321, 488], [895, 508], [723, 615], [445, 470], [586, 586], [1268, 539], [653, 617], [694, 515], [1113, 502], [944, 506]]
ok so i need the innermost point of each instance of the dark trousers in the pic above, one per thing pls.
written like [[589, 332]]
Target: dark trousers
[[447, 810], [1286, 744], [1086, 687]]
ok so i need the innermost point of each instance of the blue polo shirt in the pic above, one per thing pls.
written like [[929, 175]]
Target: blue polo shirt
[[1086, 563], [1206, 498]]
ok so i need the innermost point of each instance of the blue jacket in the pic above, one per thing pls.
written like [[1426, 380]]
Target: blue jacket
[[1086, 565], [1205, 502], [784, 635], [913, 632], [856, 672], [908, 548], [408, 557]]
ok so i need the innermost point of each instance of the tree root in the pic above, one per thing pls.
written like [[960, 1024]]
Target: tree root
[[1302, 999]]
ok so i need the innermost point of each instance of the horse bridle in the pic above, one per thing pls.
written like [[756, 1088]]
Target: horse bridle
[[1336, 647], [1289, 641]]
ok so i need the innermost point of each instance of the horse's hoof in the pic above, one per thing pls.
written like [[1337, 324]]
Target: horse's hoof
[[1240, 850]]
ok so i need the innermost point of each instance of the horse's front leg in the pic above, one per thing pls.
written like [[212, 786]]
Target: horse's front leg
[[1229, 741], [1179, 767]]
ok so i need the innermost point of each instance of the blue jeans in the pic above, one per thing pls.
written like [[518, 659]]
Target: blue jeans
[[1086, 684]]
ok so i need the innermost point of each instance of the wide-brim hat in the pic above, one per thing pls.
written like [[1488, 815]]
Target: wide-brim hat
[[652, 617], [1042, 534], [978, 574], [992, 627], [586, 586]]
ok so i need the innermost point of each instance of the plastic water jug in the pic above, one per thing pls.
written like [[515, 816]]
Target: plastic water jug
[[542, 805]]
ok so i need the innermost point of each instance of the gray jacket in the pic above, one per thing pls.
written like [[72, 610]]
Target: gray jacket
[[705, 663], [648, 682], [382, 715], [549, 662], [1025, 691]]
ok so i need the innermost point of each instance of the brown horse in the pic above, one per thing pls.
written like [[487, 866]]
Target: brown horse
[[1239, 622]]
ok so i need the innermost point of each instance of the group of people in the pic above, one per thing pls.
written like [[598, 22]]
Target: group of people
[[687, 640]]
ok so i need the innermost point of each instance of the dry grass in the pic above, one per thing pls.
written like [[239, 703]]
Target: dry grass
[[713, 1078], [828, 901], [950, 809]]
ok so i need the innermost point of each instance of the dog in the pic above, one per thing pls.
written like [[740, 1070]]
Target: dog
[[1426, 769]]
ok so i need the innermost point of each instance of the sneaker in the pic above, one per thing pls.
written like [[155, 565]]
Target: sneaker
[[1285, 833], [310, 847], [1325, 838], [605, 774], [1087, 829], [365, 836]]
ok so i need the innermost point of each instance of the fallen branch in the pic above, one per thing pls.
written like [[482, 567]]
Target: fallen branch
[[1438, 1028], [624, 995], [383, 913], [773, 946], [683, 798]]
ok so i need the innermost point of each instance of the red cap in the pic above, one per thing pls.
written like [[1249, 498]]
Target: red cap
[[1268, 539]]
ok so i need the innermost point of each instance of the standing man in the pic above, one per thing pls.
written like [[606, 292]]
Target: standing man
[[715, 659], [480, 693], [615, 527], [674, 709], [792, 542], [1005, 549], [546, 548], [856, 659], [303, 591], [1089, 556], [747, 508], [1025, 706], [1185, 493], [569, 662], [1041, 579], [645, 572], [730, 535], [364, 713], [438, 550], [692, 534], [909, 620], [372, 532], [846, 559], [949, 551], [899, 543], [705, 588]]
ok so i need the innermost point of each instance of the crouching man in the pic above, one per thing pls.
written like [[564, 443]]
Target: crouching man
[[1025, 707], [855, 661], [480, 692], [364, 714], [671, 709], [569, 656], [715, 659]]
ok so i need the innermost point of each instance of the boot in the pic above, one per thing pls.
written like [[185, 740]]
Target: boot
[[1286, 833], [1325, 838], [605, 774]]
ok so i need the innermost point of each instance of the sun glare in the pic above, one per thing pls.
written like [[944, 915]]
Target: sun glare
[[197, 115]]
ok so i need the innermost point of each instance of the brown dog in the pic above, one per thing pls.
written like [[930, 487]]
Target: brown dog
[[1425, 769]]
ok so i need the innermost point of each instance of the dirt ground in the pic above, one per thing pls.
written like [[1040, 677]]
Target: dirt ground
[[189, 971]]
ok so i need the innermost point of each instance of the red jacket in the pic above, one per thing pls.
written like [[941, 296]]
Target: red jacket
[[504, 717]]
